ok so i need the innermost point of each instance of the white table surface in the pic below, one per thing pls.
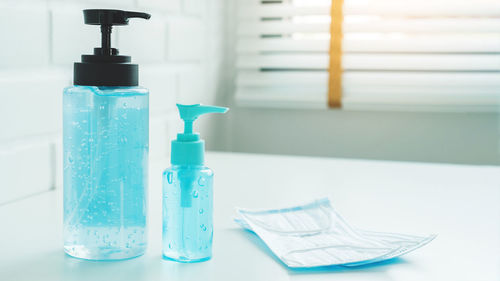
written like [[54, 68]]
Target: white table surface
[[459, 203]]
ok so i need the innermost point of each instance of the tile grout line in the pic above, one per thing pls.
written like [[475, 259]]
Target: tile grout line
[[53, 164]]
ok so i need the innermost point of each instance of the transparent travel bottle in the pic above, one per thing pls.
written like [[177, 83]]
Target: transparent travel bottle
[[105, 150], [188, 193]]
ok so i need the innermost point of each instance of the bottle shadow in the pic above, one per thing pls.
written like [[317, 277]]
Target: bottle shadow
[[58, 265]]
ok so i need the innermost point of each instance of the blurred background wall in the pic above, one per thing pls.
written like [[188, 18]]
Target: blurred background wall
[[445, 137], [186, 54]]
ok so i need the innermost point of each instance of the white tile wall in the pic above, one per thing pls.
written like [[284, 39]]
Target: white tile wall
[[144, 39], [25, 170], [24, 36], [164, 5], [71, 37], [158, 138], [186, 38], [46, 36], [31, 103], [58, 160], [192, 86], [110, 3], [194, 7], [162, 83]]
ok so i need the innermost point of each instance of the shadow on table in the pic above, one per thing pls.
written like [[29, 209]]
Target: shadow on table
[[373, 267], [63, 267], [57, 265]]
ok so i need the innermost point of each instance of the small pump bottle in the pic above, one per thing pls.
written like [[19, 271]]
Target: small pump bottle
[[187, 193], [105, 147]]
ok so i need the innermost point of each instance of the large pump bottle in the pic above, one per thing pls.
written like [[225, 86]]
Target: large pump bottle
[[105, 140]]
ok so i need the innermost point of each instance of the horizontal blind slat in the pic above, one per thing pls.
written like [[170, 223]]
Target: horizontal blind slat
[[376, 7], [433, 79], [257, 28], [422, 99], [312, 62], [287, 90], [411, 25], [483, 80], [428, 25], [256, 45], [444, 43], [428, 90], [299, 78], [312, 97], [438, 8], [421, 62], [441, 105], [423, 43], [279, 10]]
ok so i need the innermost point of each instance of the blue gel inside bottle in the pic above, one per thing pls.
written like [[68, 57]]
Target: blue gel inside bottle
[[187, 213], [105, 140]]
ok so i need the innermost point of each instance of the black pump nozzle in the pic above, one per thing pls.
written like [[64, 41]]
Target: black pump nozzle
[[106, 19], [111, 17], [105, 67]]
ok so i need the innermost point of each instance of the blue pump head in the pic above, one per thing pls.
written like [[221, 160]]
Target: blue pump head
[[188, 148]]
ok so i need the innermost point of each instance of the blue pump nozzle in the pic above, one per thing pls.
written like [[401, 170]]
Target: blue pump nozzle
[[188, 148], [189, 113]]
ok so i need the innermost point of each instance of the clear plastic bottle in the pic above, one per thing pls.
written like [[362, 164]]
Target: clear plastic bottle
[[105, 150], [105, 171], [187, 213], [188, 193]]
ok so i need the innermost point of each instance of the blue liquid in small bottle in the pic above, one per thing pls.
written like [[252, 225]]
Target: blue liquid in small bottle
[[187, 213], [105, 139]]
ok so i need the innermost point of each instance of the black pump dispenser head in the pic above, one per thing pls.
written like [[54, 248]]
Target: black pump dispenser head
[[105, 67]]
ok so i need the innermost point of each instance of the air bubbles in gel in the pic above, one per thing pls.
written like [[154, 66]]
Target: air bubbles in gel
[[202, 181]]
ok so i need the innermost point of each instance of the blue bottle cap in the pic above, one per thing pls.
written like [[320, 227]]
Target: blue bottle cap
[[188, 148]]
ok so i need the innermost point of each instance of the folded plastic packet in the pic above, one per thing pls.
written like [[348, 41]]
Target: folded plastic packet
[[314, 234]]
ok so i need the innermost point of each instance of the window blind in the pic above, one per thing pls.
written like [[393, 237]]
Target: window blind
[[416, 53]]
